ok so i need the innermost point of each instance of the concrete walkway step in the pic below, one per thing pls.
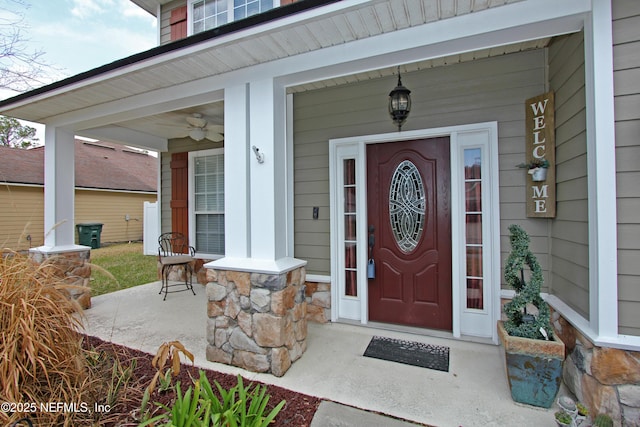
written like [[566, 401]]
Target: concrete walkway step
[[331, 414]]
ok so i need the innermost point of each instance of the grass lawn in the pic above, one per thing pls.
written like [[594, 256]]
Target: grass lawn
[[126, 264]]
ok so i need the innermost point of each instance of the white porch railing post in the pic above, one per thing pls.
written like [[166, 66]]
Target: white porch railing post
[[59, 182]]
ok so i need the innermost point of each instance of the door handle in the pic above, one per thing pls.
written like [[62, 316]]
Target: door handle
[[371, 266]]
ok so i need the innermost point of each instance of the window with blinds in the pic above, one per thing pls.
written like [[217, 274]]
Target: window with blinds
[[208, 202]]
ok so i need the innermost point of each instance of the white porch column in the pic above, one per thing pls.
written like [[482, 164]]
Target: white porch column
[[236, 170], [603, 271], [59, 189], [257, 191], [268, 179]]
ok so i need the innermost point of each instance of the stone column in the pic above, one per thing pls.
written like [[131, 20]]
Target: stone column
[[256, 321], [72, 267]]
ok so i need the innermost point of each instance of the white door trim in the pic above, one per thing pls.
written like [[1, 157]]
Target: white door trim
[[464, 136]]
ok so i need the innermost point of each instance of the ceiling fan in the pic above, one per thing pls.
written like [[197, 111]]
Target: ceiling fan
[[198, 129]]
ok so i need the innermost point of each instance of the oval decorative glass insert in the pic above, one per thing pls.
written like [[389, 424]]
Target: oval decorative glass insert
[[407, 206]]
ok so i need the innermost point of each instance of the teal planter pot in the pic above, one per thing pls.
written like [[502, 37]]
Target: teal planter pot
[[534, 368]]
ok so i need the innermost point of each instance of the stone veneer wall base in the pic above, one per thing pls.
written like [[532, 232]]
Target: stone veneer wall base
[[73, 268], [256, 321], [606, 380]]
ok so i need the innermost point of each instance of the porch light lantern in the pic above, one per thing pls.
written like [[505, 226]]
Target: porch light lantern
[[399, 103]]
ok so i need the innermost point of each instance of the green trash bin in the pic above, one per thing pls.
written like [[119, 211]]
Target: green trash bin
[[89, 234]]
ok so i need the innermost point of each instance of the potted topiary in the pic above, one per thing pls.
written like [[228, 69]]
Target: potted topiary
[[533, 354]]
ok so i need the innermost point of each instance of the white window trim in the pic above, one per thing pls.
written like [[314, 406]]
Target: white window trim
[[192, 214], [230, 5], [355, 147]]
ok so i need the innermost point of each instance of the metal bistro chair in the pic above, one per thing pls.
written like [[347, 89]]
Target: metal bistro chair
[[173, 250]]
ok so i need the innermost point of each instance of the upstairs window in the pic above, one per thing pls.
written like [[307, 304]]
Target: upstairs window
[[207, 14]]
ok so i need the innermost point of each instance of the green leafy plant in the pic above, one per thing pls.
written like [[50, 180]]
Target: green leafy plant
[[602, 420], [563, 417], [582, 410], [120, 377], [520, 322], [239, 406], [188, 410], [165, 381], [167, 352]]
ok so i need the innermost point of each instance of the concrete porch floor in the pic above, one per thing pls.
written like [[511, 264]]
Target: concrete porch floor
[[473, 393]]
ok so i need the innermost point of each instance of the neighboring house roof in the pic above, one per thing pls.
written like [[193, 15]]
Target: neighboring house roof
[[97, 165]]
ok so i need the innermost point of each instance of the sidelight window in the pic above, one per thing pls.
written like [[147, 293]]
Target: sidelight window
[[350, 222], [473, 227]]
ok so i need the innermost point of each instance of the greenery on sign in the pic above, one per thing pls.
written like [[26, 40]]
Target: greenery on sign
[[535, 163], [519, 322]]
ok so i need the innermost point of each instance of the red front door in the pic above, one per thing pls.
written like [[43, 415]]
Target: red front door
[[409, 216]]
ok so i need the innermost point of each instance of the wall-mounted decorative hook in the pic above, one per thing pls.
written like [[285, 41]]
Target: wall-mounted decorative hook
[[259, 155]]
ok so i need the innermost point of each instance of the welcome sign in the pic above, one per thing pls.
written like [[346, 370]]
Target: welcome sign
[[541, 156]]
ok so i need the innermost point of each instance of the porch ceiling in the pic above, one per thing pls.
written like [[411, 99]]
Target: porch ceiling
[[337, 24]]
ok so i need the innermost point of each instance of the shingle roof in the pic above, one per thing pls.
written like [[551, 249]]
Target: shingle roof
[[97, 165]]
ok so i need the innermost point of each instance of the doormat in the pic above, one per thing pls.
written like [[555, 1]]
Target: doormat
[[410, 353]]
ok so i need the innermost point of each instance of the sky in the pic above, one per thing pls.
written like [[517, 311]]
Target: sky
[[79, 35]]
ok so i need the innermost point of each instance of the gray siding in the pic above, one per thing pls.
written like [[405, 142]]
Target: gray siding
[[165, 20], [176, 146], [626, 63], [570, 230], [484, 90]]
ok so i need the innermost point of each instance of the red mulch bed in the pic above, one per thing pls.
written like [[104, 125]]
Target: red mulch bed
[[298, 410]]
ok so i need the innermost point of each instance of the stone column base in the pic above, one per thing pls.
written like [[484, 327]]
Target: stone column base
[[72, 267], [606, 380], [256, 321]]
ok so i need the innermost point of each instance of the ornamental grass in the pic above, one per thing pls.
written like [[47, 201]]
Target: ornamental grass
[[41, 359]]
